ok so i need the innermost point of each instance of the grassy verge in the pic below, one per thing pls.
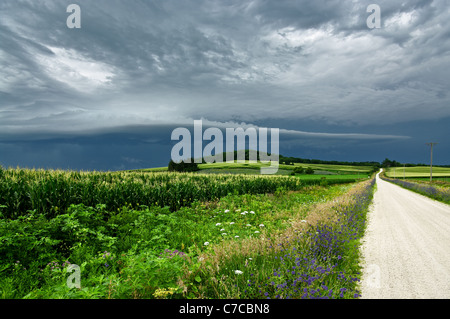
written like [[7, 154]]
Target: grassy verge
[[439, 191], [316, 257]]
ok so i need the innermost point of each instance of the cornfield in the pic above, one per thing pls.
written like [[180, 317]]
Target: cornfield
[[50, 192]]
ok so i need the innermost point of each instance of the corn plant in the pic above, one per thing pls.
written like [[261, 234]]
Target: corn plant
[[51, 192]]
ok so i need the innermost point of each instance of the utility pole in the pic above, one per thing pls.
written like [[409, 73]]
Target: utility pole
[[431, 160]]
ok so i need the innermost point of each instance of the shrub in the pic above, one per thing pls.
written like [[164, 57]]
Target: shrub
[[190, 166]]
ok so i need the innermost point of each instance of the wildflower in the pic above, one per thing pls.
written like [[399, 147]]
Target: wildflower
[[227, 210], [256, 232], [252, 212], [243, 213], [223, 229], [248, 225], [231, 223], [206, 243], [218, 224], [303, 221], [236, 236], [238, 272], [261, 225], [224, 234]]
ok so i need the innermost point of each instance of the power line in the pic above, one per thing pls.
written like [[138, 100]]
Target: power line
[[431, 160]]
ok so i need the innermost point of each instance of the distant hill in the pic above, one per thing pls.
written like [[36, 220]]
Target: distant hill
[[286, 165], [291, 160]]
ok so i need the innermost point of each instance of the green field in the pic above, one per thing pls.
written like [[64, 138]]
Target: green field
[[418, 172], [334, 177], [179, 235], [254, 168], [323, 173], [337, 169]]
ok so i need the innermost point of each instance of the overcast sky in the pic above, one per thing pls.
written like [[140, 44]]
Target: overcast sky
[[107, 96]]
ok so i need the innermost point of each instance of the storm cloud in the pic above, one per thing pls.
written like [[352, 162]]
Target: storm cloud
[[136, 69]]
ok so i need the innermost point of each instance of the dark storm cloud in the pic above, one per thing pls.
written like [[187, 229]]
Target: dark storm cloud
[[137, 64]]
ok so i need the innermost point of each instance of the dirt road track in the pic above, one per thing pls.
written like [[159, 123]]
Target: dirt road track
[[406, 247]]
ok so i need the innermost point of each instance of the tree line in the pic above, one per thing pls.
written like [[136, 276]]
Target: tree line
[[291, 160], [190, 166]]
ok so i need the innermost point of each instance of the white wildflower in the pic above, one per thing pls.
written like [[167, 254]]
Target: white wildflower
[[252, 212], [218, 224], [224, 234], [261, 225], [206, 243], [236, 236], [223, 229], [248, 225], [227, 210], [256, 232], [231, 223], [238, 272]]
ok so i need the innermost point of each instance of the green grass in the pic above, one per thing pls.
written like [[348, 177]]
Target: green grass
[[340, 169], [417, 171], [143, 252], [333, 177], [243, 171], [436, 189], [254, 168], [130, 245], [444, 181], [52, 192]]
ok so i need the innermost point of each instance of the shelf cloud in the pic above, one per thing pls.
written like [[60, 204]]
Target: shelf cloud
[[311, 68]]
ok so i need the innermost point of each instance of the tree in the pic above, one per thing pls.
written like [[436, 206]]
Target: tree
[[388, 163], [189, 166]]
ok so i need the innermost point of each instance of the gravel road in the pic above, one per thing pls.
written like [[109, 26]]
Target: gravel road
[[406, 247]]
